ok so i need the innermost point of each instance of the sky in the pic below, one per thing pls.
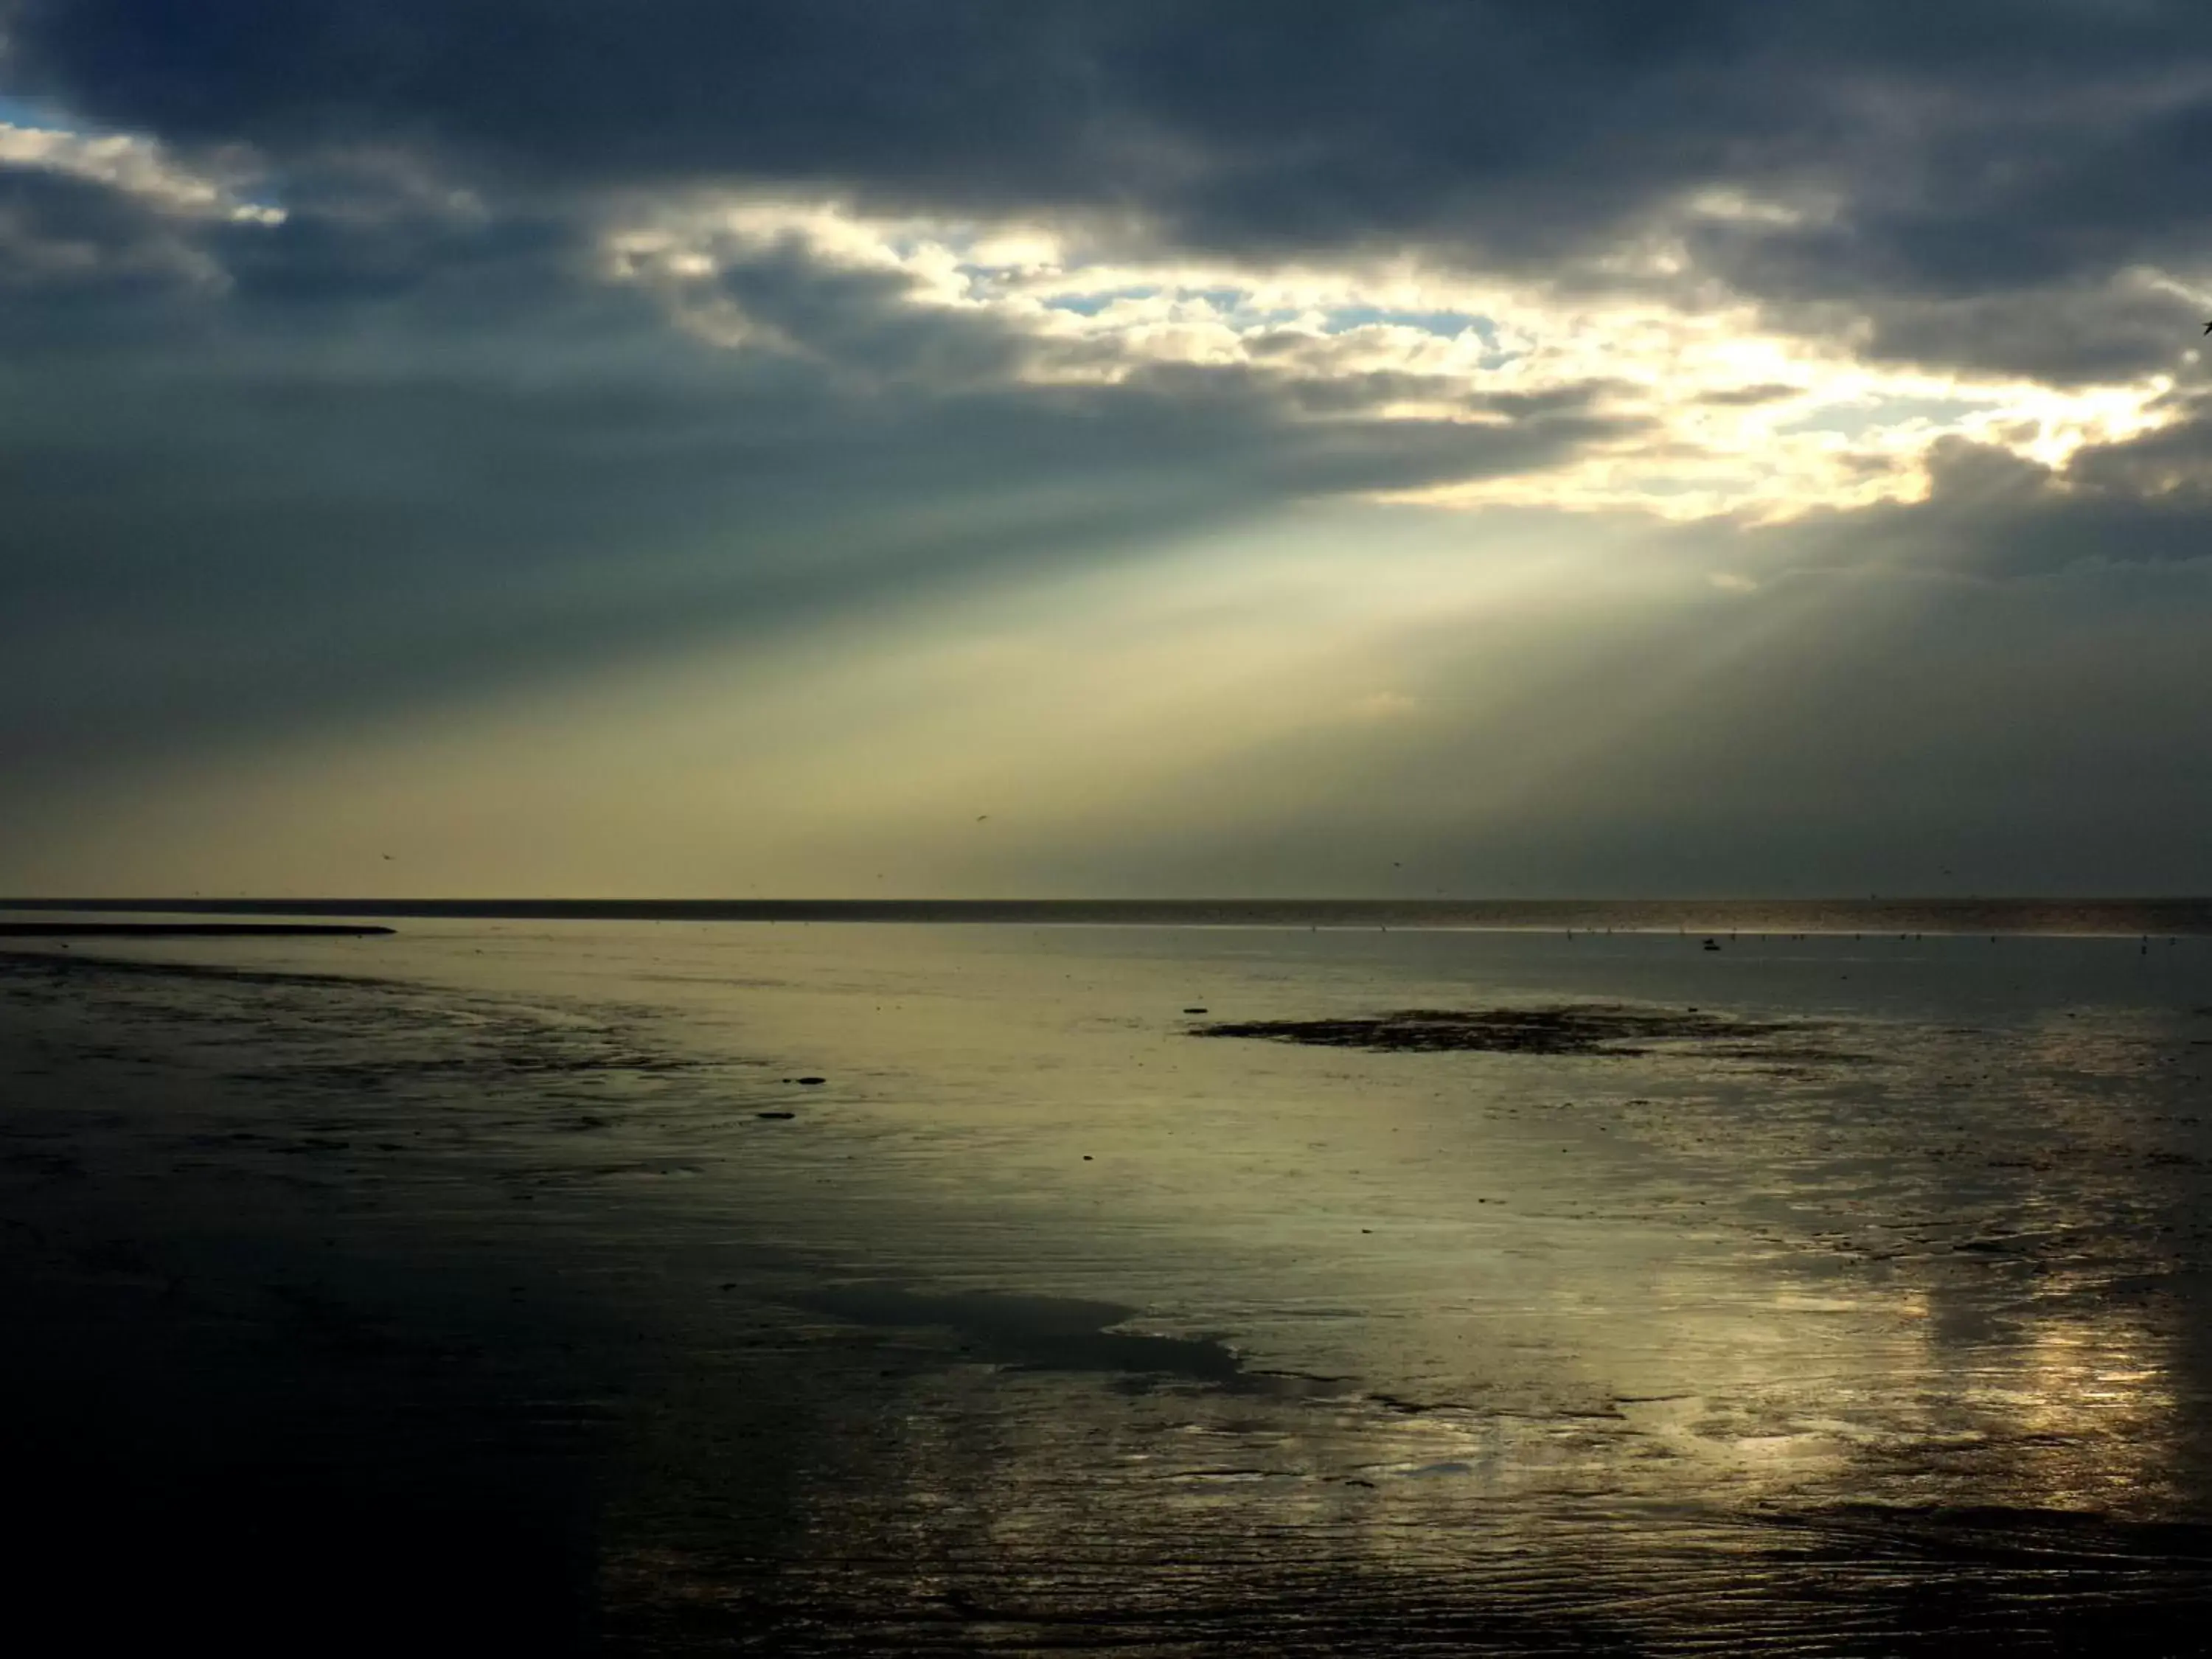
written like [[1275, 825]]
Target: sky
[[1105, 448]]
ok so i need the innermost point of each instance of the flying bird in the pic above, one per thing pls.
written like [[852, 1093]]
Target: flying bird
[[2207, 328]]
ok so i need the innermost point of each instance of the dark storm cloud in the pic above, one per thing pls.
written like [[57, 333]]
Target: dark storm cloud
[[1990, 514], [412, 438], [73, 245], [1953, 153], [2065, 312], [406, 456]]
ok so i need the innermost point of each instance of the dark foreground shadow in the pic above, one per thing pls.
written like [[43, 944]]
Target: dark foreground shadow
[[282, 1560], [175, 1486]]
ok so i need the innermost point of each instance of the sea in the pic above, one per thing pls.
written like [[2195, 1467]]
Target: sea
[[1150, 1278]]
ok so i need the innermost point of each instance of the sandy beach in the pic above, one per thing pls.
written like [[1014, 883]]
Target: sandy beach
[[650, 1287]]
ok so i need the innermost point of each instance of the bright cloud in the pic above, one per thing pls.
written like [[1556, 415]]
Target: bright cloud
[[1723, 412], [140, 168]]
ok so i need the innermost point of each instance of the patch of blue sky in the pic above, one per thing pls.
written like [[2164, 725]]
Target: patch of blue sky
[[31, 113], [1448, 324], [1089, 305]]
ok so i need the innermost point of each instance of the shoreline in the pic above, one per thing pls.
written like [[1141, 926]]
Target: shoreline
[[190, 929], [351, 1280]]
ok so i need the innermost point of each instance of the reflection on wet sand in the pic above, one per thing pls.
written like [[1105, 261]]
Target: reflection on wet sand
[[1043, 1325]]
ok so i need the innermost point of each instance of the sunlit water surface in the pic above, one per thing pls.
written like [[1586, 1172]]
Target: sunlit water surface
[[1041, 1322]]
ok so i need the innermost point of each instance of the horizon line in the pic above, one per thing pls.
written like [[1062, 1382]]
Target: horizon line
[[201, 902]]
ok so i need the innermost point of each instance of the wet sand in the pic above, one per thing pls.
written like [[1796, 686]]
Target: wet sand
[[502, 1288]]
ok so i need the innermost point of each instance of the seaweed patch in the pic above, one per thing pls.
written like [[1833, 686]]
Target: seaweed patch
[[1588, 1029]]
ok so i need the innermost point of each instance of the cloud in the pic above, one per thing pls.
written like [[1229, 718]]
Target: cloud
[[476, 462], [1695, 429], [1849, 153], [370, 357], [1990, 514], [138, 168], [1423, 210]]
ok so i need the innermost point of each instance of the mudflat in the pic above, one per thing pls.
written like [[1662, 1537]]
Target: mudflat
[[676, 1286]]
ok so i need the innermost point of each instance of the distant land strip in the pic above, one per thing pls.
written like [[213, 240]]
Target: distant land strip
[[186, 930]]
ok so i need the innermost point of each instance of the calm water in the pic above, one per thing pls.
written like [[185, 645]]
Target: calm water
[[1041, 1324]]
